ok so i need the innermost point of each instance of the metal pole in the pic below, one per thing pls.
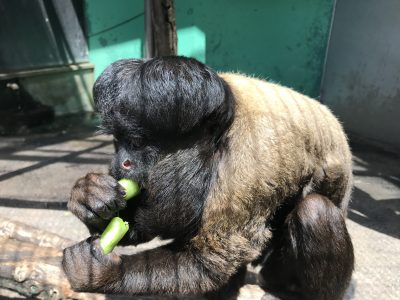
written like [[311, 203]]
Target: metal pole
[[148, 28], [160, 28]]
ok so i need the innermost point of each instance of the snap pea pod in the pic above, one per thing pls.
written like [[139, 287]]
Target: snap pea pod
[[117, 227]]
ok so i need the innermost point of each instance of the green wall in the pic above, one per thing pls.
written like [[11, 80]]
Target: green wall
[[115, 30], [281, 40]]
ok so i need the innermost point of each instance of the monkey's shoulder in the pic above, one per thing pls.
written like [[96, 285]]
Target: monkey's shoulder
[[269, 103]]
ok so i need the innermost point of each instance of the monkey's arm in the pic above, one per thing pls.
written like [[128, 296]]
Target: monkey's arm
[[165, 270]]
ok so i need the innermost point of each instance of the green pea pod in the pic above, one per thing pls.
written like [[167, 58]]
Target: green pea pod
[[117, 228], [113, 233], [131, 187]]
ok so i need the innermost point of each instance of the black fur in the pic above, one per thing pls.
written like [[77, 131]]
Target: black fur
[[170, 97]]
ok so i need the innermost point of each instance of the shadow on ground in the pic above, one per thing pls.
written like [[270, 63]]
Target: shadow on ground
[[379, 215], [376, 196]]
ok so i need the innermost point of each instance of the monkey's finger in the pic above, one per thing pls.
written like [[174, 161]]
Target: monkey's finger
[[119, 200], [110, 192], [88, 216], [104, 208], [106, 259]]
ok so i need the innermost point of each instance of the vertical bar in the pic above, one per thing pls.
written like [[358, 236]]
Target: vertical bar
[[160, 28], [148, 28]]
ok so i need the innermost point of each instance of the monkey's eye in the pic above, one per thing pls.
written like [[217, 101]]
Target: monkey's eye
[[136, 143], [127, 164]]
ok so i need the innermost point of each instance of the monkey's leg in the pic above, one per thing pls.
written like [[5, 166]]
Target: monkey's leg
[[313, 258], [230, 290]]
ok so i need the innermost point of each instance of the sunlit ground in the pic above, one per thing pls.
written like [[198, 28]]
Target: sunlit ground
[[38, 171]]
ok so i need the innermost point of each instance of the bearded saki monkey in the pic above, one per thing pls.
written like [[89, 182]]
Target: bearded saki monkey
[[234, 169]]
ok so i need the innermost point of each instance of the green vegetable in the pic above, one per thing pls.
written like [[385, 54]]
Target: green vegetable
[[117, 228], [131, 188], [114, 232]]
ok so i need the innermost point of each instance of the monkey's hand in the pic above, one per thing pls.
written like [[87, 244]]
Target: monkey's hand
[[88, 269], [95, 199]]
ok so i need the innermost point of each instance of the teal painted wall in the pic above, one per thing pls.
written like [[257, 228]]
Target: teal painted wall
[[281, 40], [115, 30]]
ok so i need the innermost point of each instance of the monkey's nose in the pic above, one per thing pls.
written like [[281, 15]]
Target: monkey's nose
[[127, 164]]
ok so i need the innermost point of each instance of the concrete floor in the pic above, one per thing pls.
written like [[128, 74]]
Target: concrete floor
[[38, 171]]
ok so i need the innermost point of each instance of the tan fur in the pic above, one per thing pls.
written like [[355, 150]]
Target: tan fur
[[282, 140]]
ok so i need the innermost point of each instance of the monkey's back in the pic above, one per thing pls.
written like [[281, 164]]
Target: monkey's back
[[282, 143], [290, 136]]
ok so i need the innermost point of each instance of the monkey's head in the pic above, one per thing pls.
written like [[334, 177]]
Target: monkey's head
[[168, 117]]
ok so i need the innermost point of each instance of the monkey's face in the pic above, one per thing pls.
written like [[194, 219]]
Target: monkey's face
[[133, 159]]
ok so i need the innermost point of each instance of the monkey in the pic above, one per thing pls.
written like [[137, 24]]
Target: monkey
[[233, 168]]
